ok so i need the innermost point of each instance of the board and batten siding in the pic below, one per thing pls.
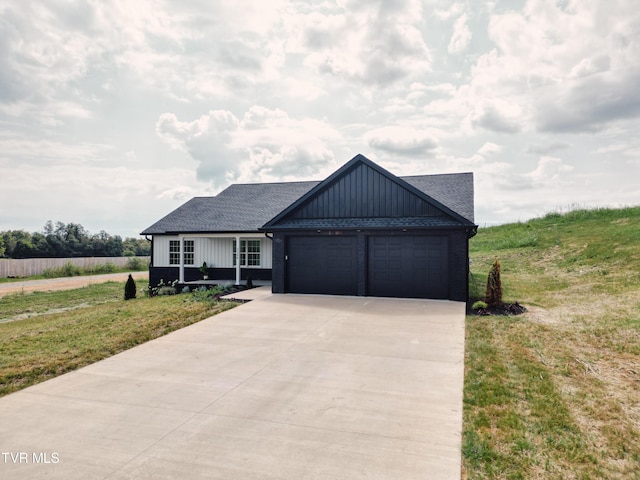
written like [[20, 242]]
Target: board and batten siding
[[216, 251]]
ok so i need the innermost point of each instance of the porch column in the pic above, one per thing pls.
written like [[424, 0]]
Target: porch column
[[181, 275], [238, 259]]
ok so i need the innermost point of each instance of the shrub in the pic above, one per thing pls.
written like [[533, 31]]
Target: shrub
[[130, 288], [493, 294], [249, 281], [479, 305], [135, 263], [68, 270], [102, 268], [204, 270], [204, 294], [162, 289]]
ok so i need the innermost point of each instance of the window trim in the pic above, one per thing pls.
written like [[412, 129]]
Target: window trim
[[189, 253], [250, 253], [174, 252]]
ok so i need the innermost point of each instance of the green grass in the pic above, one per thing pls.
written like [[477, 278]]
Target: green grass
[[554, 393], [96, 324], [41, 302]]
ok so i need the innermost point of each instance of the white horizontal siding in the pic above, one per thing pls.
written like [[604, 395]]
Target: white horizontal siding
[[216, 251]]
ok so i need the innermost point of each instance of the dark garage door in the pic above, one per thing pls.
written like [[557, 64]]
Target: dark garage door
[[325, 265], [405, 266]]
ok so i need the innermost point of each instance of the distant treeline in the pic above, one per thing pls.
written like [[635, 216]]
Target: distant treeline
[[62, 240]]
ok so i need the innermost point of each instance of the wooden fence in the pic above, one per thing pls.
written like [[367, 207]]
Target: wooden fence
[[36, 266]]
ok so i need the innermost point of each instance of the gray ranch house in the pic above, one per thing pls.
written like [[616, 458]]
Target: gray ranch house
[[362, 231]]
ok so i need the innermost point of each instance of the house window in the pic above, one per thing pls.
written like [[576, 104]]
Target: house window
[[249, 253], [174, 252], [189, 248]]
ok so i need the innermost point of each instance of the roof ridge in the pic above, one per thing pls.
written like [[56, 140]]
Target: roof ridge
[[435, 174], [275, 183]]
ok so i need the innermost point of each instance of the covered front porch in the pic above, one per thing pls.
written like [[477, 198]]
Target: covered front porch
[[230, 259]]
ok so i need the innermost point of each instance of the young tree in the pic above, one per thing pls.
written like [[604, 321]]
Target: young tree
[[493, 294], [130, 288]]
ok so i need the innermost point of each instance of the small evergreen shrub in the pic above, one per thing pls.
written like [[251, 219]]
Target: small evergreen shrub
[[130, 288], [249, 281], [493, 294], [479, 305]]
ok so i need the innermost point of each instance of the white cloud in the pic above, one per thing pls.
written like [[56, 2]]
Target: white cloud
[[572, 64], [546, 149], [285, 90], [371, 43], [453, 11], [402, 140], [549, 169], [489, 148], [498, 116], [265, 144], [42, 151], [461, 36]]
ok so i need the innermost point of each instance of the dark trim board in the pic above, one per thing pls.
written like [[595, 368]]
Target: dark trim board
[[412, 264], [192, 274]]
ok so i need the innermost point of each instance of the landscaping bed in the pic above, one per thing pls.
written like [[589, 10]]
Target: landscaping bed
[[507, 309]]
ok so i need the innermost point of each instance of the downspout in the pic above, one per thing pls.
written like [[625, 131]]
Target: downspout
[[150, 250], [238, 259], [181, 275]]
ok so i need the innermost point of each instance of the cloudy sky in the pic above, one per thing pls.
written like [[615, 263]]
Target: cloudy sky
[[115, 112]]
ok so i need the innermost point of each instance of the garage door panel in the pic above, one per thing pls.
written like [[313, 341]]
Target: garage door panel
[[408, 266], [324, 265]]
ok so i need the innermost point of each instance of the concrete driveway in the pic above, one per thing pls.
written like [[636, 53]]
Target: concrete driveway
[[283, 387]]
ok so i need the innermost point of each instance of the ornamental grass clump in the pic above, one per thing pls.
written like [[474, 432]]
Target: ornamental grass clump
[[493, 294]]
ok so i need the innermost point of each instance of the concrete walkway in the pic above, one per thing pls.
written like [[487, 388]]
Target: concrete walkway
[[283, 387]]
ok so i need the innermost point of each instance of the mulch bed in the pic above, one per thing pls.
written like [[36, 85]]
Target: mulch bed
[[508, 309]]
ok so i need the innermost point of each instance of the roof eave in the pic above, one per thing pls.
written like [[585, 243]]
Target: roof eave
[[203, 232]]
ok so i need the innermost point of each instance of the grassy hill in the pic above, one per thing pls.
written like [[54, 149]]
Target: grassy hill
[[555, 393]]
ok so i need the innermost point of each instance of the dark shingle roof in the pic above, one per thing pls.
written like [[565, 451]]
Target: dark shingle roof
[[455, 190], [247, 207], [238, 208]]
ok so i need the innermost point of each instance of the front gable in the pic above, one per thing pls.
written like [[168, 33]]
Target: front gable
[[362, 194]]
